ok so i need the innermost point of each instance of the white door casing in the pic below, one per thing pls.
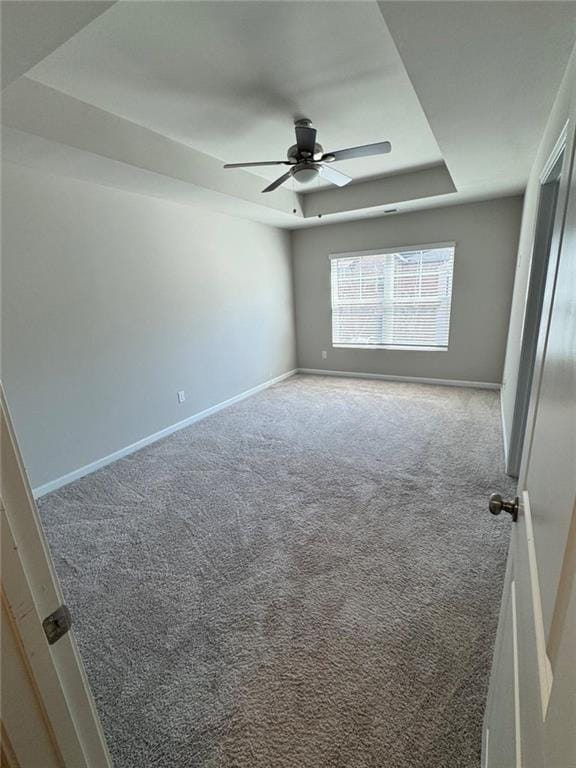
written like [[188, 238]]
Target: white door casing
[[30, 592]]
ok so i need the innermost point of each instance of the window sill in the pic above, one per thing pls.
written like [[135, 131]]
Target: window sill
[[390, 346]]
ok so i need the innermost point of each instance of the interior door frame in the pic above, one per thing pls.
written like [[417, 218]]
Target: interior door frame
[[565, 143], [30, 592], [549, 202]]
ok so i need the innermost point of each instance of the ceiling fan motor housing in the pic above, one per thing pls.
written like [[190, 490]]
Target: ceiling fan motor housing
[[294, 154], [305, 169]]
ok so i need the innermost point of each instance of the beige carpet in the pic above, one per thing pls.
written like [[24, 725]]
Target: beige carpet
[[308, 579]]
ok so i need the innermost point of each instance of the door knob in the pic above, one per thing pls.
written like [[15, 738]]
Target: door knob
[[497, 504]]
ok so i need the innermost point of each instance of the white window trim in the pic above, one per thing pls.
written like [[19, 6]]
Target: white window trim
[[397, 249]]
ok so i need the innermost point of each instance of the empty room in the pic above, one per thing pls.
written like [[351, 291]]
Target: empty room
[[288, 384]]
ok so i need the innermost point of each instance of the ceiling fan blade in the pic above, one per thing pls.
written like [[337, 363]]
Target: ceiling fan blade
[[250, 165], [306, 139], [366, 150], [278, 182], [334, 176]]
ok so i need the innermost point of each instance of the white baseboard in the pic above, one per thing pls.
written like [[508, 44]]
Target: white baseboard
[[59, 482], [53, 485], [409, 379]]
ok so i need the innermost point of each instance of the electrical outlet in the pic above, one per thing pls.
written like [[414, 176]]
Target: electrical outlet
[[324, 354], [181, 396]]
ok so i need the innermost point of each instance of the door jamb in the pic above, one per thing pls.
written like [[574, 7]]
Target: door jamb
[[544, 242], [550, 286]]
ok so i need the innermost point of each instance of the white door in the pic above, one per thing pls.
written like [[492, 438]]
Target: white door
[[48, 715], [531, 709]]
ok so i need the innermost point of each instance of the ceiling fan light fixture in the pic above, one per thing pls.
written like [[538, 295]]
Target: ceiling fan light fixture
[[306, 173]]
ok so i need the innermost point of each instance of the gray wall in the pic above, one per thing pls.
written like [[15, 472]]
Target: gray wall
[[113, 302], [556, 121], [486, 236]]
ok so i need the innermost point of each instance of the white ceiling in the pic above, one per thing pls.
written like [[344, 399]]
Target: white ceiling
[[228, 79], [155, 96]]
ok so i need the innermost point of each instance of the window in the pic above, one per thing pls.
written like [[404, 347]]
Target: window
[[393, 299]]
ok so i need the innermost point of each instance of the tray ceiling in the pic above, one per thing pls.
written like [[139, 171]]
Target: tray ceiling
[[228, 79], [153, 97]]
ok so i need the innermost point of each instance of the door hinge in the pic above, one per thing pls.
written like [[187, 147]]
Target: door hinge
[[57, 624]]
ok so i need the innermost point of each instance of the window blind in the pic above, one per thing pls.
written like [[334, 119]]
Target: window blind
[[399, 299]]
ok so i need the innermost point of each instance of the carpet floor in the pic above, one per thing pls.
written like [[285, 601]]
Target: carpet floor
[[308, 579]]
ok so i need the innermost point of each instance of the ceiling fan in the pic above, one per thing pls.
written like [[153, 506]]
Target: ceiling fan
[[307, 158]]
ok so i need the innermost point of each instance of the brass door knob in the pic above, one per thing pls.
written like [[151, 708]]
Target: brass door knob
[[497, 504]]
